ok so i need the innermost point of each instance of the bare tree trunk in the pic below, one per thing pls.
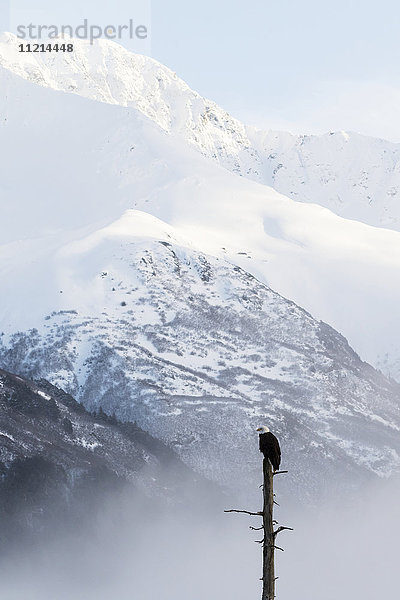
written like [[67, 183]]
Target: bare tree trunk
[[269, 535]]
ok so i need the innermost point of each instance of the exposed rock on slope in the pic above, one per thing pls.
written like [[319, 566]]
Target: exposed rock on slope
[[355, 176]]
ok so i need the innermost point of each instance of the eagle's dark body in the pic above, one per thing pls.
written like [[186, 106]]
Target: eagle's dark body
[[269, 446]]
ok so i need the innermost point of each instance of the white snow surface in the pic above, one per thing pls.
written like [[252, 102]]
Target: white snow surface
[[355, 176], [71, 167]]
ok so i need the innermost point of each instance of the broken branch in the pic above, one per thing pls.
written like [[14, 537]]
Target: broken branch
[[245, 512], [282, 529]]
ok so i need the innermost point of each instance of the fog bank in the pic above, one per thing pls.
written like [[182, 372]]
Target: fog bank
[[133, 551]]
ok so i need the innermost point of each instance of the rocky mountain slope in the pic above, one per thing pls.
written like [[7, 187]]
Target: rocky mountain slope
[[199, 353], [57, 459], [355, 176]]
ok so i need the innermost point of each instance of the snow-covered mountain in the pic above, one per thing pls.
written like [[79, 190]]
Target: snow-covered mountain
[[355, 176], [149, 272], [199, 352], [84, 177], [107, 72]]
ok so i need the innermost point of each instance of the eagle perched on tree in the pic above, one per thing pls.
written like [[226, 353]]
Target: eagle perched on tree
[[269, 446]]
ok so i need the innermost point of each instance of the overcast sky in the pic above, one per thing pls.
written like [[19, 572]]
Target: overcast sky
[[306, 66]]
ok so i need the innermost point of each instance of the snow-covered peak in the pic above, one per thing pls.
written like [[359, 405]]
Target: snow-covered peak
[[356, 177], [199, 352], [102, 71], [107, 72]]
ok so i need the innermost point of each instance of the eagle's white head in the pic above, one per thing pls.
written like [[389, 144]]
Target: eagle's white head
[[263, 429]]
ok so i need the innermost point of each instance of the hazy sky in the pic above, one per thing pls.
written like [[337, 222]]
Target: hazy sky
[[303, 66], [309, 64]]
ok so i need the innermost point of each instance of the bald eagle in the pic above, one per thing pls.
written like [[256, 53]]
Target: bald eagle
[[269, 446]]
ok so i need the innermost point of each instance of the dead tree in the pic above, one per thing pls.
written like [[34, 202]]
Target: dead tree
[[269, 534], [268, 528]]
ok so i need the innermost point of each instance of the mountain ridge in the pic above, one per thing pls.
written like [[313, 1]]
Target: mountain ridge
[[355, 176]]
